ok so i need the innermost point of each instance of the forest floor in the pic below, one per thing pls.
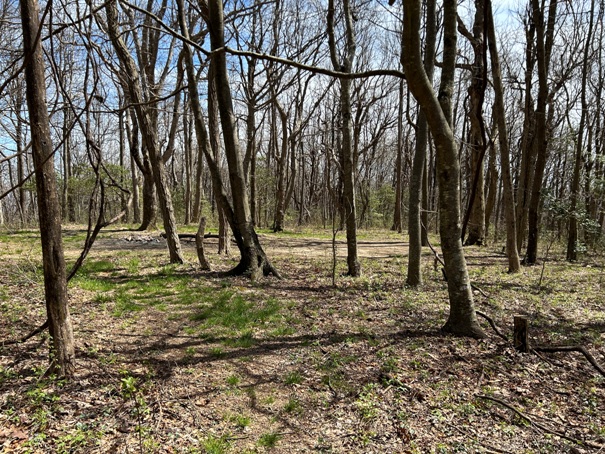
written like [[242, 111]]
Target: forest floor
[[172, 359]]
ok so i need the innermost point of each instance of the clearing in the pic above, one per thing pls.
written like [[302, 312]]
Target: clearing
[[172, 359]]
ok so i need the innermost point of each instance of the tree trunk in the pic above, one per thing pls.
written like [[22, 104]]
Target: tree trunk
[[572, 239], [397, 215], [544, 39], [224, 214], [476, 91], [346, 150], [149, 133], [62, 354], [253, 260], [462, 318], [419, 167]]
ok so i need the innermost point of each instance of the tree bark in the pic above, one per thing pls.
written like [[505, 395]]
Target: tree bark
[[149, 133], [476, 91], [346, 150], [544, 40], [462, 318], [499, 111], [62, 354], [572, 238], [253, 259], [419, 167]]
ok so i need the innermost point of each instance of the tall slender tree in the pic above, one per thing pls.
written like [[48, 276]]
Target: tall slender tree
[[462, 319], [346, 150], [62, 352]]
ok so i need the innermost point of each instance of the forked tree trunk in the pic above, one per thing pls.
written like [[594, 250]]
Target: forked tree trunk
[[462, 318], [544, 42], [62, 354], [253, 259], [149, 134]]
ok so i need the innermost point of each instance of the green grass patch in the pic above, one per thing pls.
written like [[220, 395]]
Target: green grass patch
[[235, 312], [216, 445], [269, 440]]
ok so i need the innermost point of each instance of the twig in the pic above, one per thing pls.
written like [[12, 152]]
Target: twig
[[537, 424], [38, 330], [572, 348], [492, 324], [488, 448]]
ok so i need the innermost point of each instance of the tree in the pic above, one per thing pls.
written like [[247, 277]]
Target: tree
[[572, 238], [419, 168], [144, 117], [346, 151], [62, 352], [544, 44], [475, 215], [253, 259], [509, 203], [462, 318]]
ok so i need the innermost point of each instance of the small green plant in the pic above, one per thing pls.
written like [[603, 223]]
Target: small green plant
[[241, 421], [269, 440], [233, 380], [293, 378], [246, 340], [217, 352], [132, 266], [130, 391], [216, 445], [293, 406], [366, 403]]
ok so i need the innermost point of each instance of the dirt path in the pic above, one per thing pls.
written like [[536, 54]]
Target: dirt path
[[303, 247]]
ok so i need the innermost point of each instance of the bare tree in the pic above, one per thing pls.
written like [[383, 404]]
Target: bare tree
[[62, 354], [462, 318], [499, 112], [346, 151], [144, 116], [253, 259]]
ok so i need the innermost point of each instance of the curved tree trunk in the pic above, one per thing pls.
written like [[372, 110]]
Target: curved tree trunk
[[253, 259], [62, 352], [462, 318]]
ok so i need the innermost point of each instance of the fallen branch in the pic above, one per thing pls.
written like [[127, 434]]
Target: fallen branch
[[537, 424], [572, 348], [38, 330], [492, 324]]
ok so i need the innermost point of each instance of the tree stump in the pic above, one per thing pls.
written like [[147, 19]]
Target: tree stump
[[520, 333]]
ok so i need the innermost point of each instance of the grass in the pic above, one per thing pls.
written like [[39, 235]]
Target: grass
[[213, 444], [293, 406], [269, 440], [237, 366], [293, 378]]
